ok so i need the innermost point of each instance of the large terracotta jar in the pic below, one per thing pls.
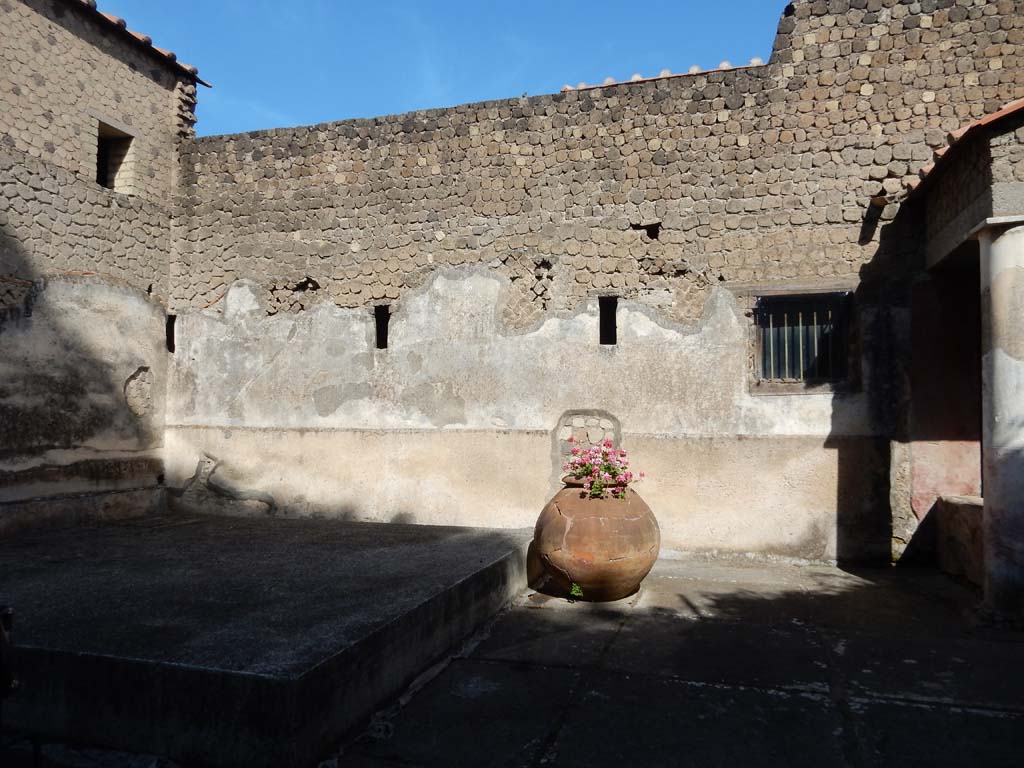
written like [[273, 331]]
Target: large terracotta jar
[[604, 546]]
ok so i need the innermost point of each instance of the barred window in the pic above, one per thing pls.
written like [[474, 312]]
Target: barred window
[[803, 338]]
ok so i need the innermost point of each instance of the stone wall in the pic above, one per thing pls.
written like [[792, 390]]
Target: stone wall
[[981, 176], [959, 196], [461, 420], [82, 381], [83, 269], [760, 174], [62, 72], [491, 229], [685, 196], [54, 222], [1007, 150]]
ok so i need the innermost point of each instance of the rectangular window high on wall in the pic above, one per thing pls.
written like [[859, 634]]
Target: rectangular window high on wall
[[803, 338], [113, 158]]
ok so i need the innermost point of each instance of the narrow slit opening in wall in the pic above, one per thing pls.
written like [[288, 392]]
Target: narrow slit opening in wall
[[609, 332], [170, 332], [381, 318]]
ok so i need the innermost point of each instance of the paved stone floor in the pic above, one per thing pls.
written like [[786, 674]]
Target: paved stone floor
[[724, 665]]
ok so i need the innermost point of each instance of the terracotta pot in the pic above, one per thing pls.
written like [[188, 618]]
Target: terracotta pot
[[606, 546]]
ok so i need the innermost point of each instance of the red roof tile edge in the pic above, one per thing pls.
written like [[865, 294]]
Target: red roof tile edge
[[956, 137], [145, 41]]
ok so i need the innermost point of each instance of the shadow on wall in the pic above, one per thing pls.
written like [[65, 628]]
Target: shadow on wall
[[81, 395], [867, 500]]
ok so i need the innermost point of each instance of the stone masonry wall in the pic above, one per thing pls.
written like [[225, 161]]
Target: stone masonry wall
[[54, 222], [1007, 149], [83, 268], [1008, 154], [959, 197], [654, 191], [61, 73]]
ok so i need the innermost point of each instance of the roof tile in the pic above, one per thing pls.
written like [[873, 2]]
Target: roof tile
[[144, 40]]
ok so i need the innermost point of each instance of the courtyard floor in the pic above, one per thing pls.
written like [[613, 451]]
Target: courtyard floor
[[716, 664]]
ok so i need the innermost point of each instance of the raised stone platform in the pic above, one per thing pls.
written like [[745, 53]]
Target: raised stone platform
[[960, 537], [225, 641]]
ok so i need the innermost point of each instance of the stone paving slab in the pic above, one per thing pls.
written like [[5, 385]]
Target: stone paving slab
[[731, 664], [901, 734], [478, 713], [722, 653], [965, 672], [637, 721]]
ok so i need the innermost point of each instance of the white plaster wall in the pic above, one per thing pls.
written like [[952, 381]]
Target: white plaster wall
[[451, 365], [82, 387], [453, 424]]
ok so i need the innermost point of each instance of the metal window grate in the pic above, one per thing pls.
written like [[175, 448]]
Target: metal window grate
[[803, 338]]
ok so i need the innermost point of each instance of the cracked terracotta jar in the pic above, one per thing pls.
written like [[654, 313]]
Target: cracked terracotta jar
[[605, 546]]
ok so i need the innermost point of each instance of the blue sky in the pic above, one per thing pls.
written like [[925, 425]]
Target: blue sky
[[278, 63]]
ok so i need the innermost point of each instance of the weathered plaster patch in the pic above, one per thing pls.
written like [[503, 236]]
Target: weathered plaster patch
[[451, 361], [138, 391]]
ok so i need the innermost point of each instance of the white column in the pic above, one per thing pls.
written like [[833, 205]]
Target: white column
[[1002, 300]]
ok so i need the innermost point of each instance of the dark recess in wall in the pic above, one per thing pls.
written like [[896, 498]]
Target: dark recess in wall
[[170, 332], [609, 332], [381, 318]]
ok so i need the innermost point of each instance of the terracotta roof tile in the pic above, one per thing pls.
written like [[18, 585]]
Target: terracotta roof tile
[[116, 22]]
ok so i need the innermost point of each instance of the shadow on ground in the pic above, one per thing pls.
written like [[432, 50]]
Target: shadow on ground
[[725, 664]]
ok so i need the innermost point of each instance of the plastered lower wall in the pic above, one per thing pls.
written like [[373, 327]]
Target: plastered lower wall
[[457, 421], [82, 389]]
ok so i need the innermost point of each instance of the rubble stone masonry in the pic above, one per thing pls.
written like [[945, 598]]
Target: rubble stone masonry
[[61, 74], [654, 191]]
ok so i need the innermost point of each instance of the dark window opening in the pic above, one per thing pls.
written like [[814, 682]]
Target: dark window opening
[[160, 479], [381, 318], [803, 338], [652, 230], [112, 147], [609, 332], [170, 332]]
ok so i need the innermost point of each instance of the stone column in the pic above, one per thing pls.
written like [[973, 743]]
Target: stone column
[[1002, 349]]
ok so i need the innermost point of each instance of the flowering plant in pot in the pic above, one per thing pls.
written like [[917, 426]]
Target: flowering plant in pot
[[602, 469], [596, 539]]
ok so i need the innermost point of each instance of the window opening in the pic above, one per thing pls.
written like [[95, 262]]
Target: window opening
[[112, 158], [170, 332], [803, 338], [382, 318], [608, 306]]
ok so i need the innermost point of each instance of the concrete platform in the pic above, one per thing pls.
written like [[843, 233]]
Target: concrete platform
[[223, 641]]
